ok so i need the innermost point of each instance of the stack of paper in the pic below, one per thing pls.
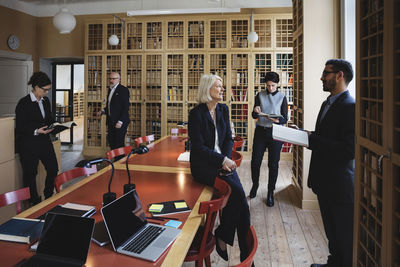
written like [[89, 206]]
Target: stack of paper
[[290, 135], [185, 156]]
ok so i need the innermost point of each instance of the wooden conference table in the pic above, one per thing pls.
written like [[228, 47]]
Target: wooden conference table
[[154, 184]]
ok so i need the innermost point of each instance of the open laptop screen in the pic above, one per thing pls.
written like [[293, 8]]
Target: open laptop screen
[[66, 236], [124, 217]]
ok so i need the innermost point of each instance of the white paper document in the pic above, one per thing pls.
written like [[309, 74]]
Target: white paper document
[[185, 156], [290, 135]]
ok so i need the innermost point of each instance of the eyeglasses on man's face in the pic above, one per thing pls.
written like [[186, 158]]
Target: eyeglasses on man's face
[[111, 78], [326, 72]]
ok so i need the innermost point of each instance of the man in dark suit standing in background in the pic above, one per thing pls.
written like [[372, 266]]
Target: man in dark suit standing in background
[[117, 111], [331, 174]]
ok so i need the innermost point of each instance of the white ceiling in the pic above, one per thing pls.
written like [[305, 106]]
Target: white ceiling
[[45, 8]]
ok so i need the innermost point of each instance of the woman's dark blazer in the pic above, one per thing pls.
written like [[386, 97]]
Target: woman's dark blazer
[[28, 118], [204, 161]]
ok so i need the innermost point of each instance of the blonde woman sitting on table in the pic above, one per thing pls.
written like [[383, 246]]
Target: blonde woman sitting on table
[[210, 156]]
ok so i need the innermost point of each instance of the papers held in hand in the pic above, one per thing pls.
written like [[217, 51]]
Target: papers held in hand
[[290, 135], [270, 116], [59, 127]]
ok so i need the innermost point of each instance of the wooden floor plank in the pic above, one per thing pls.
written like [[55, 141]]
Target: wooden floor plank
[[296, 239]]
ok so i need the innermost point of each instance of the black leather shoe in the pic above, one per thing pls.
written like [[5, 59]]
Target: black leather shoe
[[270, 199], [318, 265], [253, 191], [222, 253]]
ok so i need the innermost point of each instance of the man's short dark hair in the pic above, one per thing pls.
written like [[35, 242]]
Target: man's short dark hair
[[40, 79], [271, 76], [343, 66]]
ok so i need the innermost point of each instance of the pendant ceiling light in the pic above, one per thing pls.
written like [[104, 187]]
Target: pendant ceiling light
[[253, 36], [113, 40], [64, 21]]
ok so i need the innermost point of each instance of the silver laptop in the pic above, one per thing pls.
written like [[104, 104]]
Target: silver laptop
[[129, 231]]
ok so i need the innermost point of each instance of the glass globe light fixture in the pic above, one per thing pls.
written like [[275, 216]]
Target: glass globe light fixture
[[64, 21]]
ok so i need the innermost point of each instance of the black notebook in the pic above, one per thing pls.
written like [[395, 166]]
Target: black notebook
[[72, 209], [170, 207]]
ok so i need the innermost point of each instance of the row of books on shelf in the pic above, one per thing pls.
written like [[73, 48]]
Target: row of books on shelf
[[175, 29], [174, 93], [93, 125], [94, 78], [239, 41], [196, 28], [94, 95], [218, 42], [239, 61], [154, 43], [175, 61], [153, 126], [239, 77], [114, 63], [154, 28], [134, 42], [94, 62], [134, 29], [218, 62], [134, 62], [174, 79], [174, 112], [239, 113], [196, 62], [239, 94], [153, 77]]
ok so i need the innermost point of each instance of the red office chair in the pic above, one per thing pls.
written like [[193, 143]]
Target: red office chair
[[237, 157], [237, 142], [118, 152], [64, 177], [204, 241], [252, 244], [16, 196], [143, 140], [178, 131]]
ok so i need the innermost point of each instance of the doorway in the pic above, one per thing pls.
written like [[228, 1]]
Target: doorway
[[68, 81]]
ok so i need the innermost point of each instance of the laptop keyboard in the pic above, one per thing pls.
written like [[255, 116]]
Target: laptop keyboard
[[140, 242]]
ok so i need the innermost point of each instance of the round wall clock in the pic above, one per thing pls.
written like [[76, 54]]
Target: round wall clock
[[13, 42]]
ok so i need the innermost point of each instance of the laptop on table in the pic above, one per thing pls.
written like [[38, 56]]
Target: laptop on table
[[64, 241], [131, 234]]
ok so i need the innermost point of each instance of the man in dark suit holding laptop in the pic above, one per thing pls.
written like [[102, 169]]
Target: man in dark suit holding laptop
[[331, 174], [117, 111]]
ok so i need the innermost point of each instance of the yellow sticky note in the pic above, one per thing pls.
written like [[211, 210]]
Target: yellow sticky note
[[156, 207], [180, 205]]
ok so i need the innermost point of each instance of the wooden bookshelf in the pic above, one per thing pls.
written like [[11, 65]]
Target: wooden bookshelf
[[377, 181], [134, 38], [161, 60]]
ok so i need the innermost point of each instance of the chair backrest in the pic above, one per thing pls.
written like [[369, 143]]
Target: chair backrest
[[64, 177], [143, 140], [15, 197], [252, 244], [118, 152], [178, 131], [222, 191], [237, 157], [237, 142]]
